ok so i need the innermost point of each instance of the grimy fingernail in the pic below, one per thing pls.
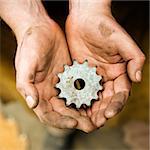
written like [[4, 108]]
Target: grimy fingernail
[[138, 75], [110, 113], [30, 101]]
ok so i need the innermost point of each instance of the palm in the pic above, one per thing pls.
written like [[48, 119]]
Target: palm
[[48, 53], [99, 46], [54, 108]]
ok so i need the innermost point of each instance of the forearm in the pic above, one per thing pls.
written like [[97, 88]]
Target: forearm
[[22, 14], [95, 6]]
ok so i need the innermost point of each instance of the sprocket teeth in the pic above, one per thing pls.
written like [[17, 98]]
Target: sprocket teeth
[[61, 95], [94, 69], [84, 94], [68, 103], [99, 78], [85, 63], [59, 75], [95, 97], [75, 62], [100, 88], [57, 85], [78, 105], [88, 103], [66, 67]]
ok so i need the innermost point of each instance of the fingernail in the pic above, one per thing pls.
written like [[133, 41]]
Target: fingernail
[[101, 122], [30, 101], [110, 113], [138, 75]]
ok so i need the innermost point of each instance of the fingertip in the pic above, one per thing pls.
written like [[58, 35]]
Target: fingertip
[[110, 113], [70, 122], [31, 102], [29, 93], [73, 123], [135, 76], [113, 109], [100, 122], [100, 118], [89, 129], [138, 76], [134, 69], [85, 125]]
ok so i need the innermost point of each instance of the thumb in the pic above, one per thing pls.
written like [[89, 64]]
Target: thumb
[[131, 53], [25, 85]]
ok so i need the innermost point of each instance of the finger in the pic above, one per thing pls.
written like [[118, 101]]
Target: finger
[[108, 92], [99, 107], [89, 112], [82, 112], [108, 89], [25, 63], [122, 83], [122, 87], [96, 105], [24, 84], [49, 117], [84, 123], [100, 118], [116, 105], [131, 53], [59, 121], [59, 106], [111, 71], [46, 88]]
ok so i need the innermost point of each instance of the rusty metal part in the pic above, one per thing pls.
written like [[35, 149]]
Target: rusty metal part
[[79, 84]]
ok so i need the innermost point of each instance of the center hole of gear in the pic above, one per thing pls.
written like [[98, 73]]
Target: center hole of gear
[[79, 84]]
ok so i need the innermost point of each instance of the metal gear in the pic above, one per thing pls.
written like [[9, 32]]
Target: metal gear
[[79, 84]]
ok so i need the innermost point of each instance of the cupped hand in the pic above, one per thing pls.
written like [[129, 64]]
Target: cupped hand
[[42, 51], [98, 38]]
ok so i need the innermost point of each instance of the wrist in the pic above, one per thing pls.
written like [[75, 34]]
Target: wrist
[[30, 23], [90, 6], [21, 15], [35, 16]]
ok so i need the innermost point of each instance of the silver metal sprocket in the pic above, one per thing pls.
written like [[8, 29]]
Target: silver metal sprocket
[[79, 72]]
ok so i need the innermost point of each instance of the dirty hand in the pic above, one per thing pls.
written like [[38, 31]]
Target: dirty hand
[[40, 57], [93, 34], [41, 53]]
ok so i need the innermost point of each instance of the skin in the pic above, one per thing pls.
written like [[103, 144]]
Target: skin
[[93, 34], [42, 50]]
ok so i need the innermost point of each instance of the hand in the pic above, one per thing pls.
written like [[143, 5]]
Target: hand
[[93, 34], [41, 53]]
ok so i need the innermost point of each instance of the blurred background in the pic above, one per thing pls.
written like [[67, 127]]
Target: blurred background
[[21, 130]]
